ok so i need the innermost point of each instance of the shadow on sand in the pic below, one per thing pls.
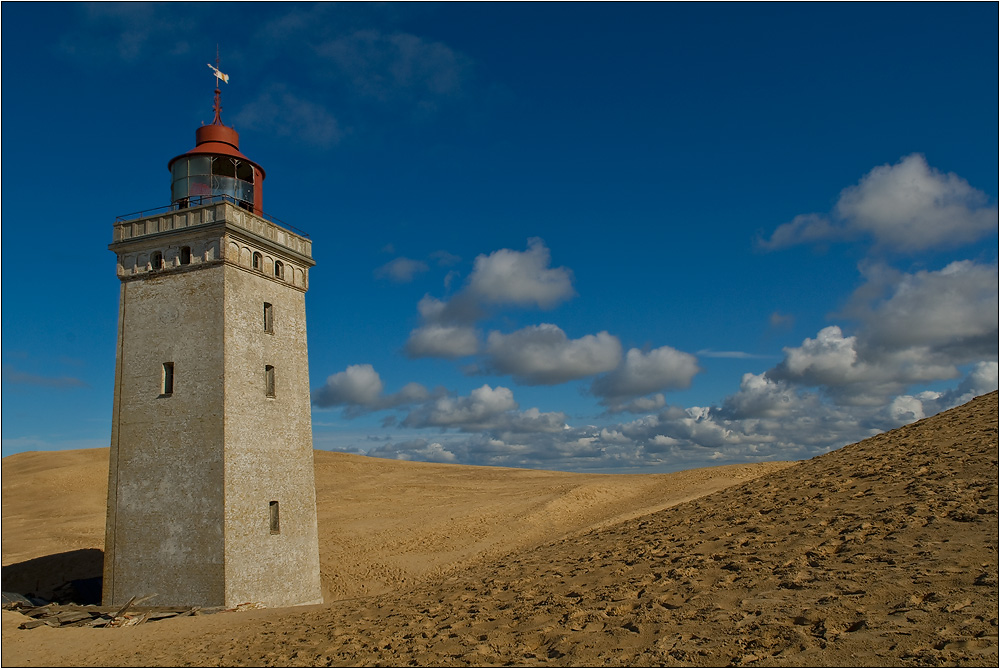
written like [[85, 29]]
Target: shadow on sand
[[73, 577]]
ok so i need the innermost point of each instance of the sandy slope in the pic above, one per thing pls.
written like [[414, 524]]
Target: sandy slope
[[884, 553], [383, 524]]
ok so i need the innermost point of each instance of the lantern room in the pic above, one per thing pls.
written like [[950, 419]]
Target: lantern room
[[216, 168]]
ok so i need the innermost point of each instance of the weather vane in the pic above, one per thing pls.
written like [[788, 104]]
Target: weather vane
[[218, 93], [215, 69]]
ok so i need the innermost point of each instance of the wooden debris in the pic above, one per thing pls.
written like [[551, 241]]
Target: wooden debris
[[123, 609], [71, 615]]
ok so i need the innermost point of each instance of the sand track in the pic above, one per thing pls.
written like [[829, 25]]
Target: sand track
[[881, 553]]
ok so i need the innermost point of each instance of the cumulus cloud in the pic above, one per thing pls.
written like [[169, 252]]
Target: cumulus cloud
[[834, 362], [460, 310], [358, 384], [953, 311], [401, 270], [643, 404], [907, 207], [761, 397], [907, 408], [420, 450], [504, 277], [482, 404], [766, 419], [484, 409], [442, 341], [544, 355], [521, 278], [981, 379], [359, 389], [663, 368], [913, 328]]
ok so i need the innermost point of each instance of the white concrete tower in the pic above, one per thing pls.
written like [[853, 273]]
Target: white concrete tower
[[211, 495]]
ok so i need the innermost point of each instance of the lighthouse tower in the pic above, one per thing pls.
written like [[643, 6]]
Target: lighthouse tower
[[211, 495]]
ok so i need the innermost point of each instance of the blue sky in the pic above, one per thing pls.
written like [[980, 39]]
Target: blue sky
[[592, 237]]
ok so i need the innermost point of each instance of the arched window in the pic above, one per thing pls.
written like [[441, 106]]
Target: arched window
[[185, 255], [279, 269], [155, 261], [258, 261]]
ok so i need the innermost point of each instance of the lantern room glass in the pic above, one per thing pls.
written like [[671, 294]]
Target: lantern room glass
[[197, 176]]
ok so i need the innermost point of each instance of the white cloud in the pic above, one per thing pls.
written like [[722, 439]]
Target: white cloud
[[954, 310], [481, 406], [521, 278], [833, 362], [912, 206], [906, 409], [462, 309], [663, 368], [981, 379], [401, 270], [485, 409], [829, 359], [359, 389], [764, 420], [544, 355], [358, 384], [642, 404], [761, 397], [913, 328], [442, 341], [907, 207], [504, 277], [804, 229], [420, 450]]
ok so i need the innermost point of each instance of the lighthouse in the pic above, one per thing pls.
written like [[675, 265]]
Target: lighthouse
[[211, 495]]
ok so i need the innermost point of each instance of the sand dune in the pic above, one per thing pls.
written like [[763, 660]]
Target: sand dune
[[881, 553]]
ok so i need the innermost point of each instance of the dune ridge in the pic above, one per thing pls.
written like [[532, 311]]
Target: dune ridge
[[881, 553]]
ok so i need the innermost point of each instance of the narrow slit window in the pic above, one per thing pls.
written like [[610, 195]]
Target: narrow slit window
[[268, 318], [258, 261], [269, 380], [167, 384], [275, 520], [185, 255], [279, 269]]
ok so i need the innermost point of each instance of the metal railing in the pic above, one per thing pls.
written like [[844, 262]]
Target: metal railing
[[207, 199]]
